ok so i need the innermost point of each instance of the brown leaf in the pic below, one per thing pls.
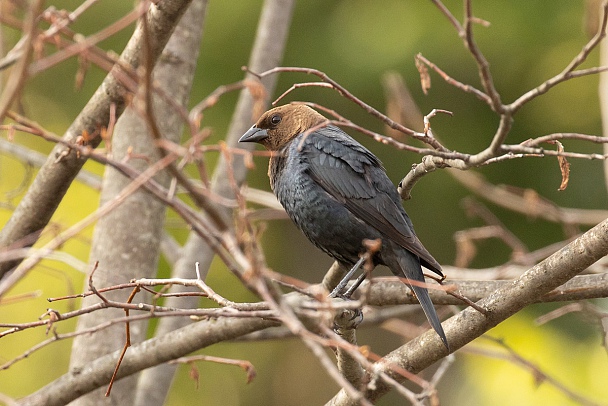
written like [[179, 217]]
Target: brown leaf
[[194, 374], [248, 367], [564, 167], [425, 78], [259, 94]]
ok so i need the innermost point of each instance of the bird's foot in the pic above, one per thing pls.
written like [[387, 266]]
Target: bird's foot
[[347, 319]]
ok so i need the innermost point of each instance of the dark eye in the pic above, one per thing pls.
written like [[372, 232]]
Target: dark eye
[[276, 119]]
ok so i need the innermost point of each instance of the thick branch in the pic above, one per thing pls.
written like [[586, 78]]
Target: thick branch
[[126, 241], [267, 52], [500, 305], [38, 205], [385, 293], [155, 351]]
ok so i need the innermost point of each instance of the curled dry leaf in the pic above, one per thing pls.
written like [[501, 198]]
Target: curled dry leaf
[[194, 374], [425, 78], [249, 369], [259, 94], [564, 167]]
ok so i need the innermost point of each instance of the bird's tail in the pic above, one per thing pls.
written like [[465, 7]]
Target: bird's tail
[[410, 268]]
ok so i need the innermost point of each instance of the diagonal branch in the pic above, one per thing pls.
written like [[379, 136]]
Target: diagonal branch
[[500, 305], [55, 177], [149, 353]]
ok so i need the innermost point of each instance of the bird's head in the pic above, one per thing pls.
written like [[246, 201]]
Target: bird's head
[[278, 126]]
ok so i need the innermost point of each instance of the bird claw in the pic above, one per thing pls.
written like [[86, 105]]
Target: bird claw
[[348, 319]]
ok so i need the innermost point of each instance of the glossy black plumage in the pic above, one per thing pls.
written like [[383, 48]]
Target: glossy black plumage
[[337, 192]]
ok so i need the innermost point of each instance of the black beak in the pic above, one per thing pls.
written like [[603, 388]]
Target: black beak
[[254, 134]]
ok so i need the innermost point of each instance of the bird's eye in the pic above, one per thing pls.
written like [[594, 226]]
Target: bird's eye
[[276, 119]]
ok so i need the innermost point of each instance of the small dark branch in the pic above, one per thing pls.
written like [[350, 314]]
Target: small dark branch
[[589, 309], [221, 243], [443, 153], [127, 342], [301, 85], [495, 148], [427, 120], [92, 286], [451, 290], [85, 44], [541, 152], [569, 71], [482, 64], [439, 150], [211, 99], [565, 136], [18, 76], [451, 18], [243, 364], [429, 164], [459, 85], [345, 93]]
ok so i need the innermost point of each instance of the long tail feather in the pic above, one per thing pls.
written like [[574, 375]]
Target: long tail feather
[[410, 268]]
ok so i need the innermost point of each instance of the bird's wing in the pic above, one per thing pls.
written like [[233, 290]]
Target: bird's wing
[[353, 176]]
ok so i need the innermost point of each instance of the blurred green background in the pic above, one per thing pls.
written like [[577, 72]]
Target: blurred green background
[[355, 42]]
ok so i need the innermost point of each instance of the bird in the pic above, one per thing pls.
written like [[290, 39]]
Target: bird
[[338, 194]]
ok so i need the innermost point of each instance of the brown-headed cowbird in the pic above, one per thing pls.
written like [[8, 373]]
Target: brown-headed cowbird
[[337, 192]]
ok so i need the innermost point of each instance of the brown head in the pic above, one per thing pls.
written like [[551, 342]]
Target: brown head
[[278, 126]]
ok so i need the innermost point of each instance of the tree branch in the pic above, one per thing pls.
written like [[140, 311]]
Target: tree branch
[[500, 305], [152, 352], [38, 205]]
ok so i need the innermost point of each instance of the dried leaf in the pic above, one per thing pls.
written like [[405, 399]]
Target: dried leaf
[[425, 78], [259, 94], [83, 68], [194, 374], [564, 167], [248, 367]]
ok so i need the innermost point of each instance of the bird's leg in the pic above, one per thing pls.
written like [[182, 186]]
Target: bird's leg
[[355, 285], [340, 287]]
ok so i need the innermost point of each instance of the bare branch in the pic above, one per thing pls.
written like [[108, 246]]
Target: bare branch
[[51, 183], [569, 71], [153, 352], [504, 302]]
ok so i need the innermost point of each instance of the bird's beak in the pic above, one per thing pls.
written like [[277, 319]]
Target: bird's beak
[[254, 134]]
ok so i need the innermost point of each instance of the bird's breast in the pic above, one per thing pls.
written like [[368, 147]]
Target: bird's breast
[[326, 222]]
